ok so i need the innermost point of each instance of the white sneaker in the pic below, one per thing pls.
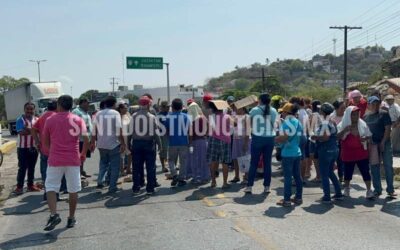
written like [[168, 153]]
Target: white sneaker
[[267, 190], [370, 194], [346, 192], [247, 190]]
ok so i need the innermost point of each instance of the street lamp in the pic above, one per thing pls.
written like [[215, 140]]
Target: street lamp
[[168, 90], [38, 64]]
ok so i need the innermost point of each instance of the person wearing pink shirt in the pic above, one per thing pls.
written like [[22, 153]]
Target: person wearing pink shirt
[[219, 144], [61, 135], [38, 135]]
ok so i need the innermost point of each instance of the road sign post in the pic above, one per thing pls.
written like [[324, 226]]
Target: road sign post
[[134, 62], [144, 63]]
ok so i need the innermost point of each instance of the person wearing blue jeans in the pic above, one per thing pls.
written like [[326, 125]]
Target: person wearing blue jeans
[[291, 169], [144, 152], [326, 141], [289, 137], [380, 124], [261, 146], [389, 174], [109, 160], [109, 135], [263, 119]]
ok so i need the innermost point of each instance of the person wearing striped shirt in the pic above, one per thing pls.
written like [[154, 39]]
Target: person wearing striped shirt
[[26, 150]]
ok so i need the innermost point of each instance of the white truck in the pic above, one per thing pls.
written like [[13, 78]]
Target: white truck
[[38, 93]]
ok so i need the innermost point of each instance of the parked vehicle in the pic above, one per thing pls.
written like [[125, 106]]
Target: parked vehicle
[[35, 92]]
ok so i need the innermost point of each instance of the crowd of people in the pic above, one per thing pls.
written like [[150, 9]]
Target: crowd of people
[[194, 139]]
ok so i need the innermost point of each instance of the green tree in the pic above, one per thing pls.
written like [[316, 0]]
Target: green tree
[[133, 100], [272, 86], [89, 94], [242, 84], [8, 83]]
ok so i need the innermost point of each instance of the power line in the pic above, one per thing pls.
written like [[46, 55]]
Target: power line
[[113, 83], [327, 48], [346, 29]]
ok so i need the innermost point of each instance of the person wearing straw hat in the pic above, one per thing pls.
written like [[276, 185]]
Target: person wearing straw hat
[[289, 138]]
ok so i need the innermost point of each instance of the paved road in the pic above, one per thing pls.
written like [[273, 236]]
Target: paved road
[[197, 217]]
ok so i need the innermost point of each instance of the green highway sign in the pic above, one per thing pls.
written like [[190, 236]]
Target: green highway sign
[[144, 62]]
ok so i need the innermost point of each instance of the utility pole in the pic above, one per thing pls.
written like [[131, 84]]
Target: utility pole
[[113, 83], [346, 29], [334, 46], [38, 65], [168, 90]]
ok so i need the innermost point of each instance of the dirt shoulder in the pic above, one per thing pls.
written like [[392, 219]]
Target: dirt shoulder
[[8, 173]]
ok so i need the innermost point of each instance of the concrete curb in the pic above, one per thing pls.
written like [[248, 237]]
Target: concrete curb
[[8, 147]]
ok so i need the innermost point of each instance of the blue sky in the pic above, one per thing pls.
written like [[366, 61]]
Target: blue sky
[[84, 41]]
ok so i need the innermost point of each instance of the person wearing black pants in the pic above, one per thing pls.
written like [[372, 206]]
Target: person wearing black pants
[[26, 151], [27, 158]]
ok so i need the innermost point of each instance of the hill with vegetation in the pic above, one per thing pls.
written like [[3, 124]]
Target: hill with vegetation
[[320, 78]]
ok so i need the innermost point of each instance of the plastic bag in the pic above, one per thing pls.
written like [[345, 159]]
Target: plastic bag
[[244, 163]]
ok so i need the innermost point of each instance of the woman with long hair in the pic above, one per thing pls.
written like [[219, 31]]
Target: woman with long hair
[[263, 120]]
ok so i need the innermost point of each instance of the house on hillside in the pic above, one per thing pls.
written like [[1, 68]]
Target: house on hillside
[[324, 63], [387, 86], [356, 85]]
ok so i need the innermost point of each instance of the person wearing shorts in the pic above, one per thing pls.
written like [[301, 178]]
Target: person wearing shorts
[[61, 135], [219, 144]]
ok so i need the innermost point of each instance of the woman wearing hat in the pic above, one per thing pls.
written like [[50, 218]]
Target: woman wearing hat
[[289, 138], [354, 135], [326, 146]]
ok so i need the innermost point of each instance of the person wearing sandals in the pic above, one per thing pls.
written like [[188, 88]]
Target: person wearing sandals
[[354, 135], [125, 119], [219, 143], [263, 120], [197, 159], [379, 123], [240, 139], [327, 149], [289, 138]]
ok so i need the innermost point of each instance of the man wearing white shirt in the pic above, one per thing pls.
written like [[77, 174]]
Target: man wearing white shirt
[[110, 142]]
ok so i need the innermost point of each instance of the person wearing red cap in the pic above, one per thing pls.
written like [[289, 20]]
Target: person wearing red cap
[[206, 104], [143, 129]]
